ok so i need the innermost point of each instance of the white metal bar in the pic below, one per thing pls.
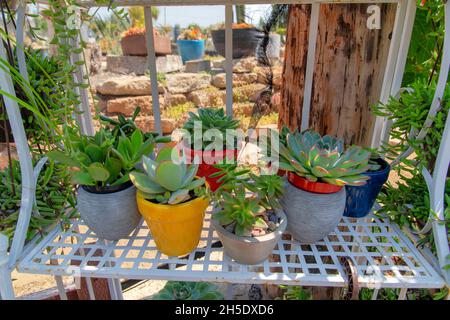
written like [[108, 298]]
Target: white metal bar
[[6, 287], [90, 288], [151, 56], [310, 59], [411, 7], [375, 294], [229, 58], [61, 289], [26, 168], [118, 285], [380, 122], [402, 294], [91, 3]]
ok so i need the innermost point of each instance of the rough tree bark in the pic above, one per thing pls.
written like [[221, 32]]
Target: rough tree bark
[[349, 65]]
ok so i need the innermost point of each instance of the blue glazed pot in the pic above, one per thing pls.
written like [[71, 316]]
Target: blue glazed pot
[[191, 49], [360, 200]]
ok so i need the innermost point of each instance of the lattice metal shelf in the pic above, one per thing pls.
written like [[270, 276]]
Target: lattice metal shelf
[[383, 257]]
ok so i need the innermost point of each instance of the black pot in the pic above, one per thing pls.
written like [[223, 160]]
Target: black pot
[[360, 200], [245, 41]]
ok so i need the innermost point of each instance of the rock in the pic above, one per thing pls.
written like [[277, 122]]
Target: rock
[[147, 123], [246, 78], [219, 64], [187, 82], [196, 66], [176, 99], [248, 92], [243, 109], [127, 64], [169, 63], [139, 65], [126, 86], [277, 77], [239, 79], [245, 65], [261, 73], [127, 105], [219, 81], [210, 97], [277, 72]]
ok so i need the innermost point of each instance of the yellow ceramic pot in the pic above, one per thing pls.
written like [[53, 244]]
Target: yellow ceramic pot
[[175, 228]]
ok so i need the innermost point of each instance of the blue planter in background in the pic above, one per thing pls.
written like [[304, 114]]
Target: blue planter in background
[[191, 49], [360, 200]]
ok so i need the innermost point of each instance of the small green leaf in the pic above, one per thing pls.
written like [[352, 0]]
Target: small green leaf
[[98, 172]]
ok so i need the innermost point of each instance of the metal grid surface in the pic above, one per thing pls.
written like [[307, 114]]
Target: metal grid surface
[[383, 256]]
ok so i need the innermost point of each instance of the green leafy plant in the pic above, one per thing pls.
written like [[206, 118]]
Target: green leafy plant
[[167, 179], [55, 199], [210, 119], [127, 126], [100, 160], [406, 201], [238, 212], [296, 293], [181, 290], [323, 159]]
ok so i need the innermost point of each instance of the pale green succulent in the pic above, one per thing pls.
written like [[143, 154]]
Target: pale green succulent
[[324, 159], [167, 179]]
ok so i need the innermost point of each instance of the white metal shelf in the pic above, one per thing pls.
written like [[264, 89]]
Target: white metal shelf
[[383, 256]]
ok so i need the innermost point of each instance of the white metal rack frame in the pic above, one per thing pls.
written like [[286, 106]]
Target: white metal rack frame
[[383, 255]]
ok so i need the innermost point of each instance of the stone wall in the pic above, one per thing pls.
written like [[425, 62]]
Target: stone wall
[[121, 94]]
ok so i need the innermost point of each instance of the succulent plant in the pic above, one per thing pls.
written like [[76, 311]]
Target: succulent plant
[[244, 214], [103, 160], [323, 159], [182, 290], [167, 179], [127, 126], [210, 119]]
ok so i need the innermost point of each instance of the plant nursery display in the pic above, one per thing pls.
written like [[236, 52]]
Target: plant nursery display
[[191, 44], [210, 118], [172, 200], [318, 168], [133, 43], [182, 290], [101, 166], [249, 227], [55, 199], [360, 199]]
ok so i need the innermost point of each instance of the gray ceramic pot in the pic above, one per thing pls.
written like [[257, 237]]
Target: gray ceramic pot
[[250, 250], [312, 216], [112, 216]]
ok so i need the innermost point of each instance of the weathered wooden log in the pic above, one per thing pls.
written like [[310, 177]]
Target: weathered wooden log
[[348, 71]]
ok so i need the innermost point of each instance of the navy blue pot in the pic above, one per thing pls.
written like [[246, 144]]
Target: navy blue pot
[[360, 200]]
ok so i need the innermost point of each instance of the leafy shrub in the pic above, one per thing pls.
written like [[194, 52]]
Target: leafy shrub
[[181, 290]]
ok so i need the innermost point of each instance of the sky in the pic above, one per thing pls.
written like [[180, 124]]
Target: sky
[[202, 15]]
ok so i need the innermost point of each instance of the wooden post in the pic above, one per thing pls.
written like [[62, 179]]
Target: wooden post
[[349, 64]]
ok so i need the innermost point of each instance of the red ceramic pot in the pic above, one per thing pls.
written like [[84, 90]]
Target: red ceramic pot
[[310, 186], [208, 160]]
